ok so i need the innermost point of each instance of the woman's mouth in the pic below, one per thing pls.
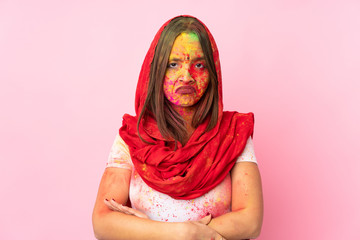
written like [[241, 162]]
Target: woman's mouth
[[185, 90]]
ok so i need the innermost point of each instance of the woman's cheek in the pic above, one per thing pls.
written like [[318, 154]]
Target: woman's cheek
[[169, 86], [202, 82]]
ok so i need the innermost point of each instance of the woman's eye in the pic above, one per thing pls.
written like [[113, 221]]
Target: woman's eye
[[173, 65], [199, 65]]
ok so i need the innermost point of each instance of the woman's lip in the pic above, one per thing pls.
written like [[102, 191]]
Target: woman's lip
[[185, 90]]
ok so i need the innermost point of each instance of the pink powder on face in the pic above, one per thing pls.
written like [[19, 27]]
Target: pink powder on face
[[186, 68]]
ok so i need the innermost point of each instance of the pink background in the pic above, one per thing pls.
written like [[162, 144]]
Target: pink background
[[68, 73]]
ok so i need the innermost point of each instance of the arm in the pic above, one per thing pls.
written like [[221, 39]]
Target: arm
[[245, 220], [110, 224]]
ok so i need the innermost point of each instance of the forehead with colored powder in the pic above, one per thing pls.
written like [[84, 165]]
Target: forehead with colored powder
[[186, 45]]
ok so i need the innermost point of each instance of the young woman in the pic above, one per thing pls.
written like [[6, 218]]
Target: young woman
[[184, 167]]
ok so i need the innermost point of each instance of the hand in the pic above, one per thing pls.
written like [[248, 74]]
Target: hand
[[198, 230], [113, 205]]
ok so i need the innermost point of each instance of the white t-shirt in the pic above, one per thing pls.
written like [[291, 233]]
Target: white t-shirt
[[161, 207]]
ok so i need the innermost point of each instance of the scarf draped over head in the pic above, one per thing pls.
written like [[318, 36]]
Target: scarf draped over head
[[194, 169]]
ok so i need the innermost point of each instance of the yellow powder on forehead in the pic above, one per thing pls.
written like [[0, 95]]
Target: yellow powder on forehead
[[186, 43], [190, 35]]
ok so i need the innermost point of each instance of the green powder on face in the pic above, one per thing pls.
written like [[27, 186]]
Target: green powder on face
[[193, 36], [190, 35]]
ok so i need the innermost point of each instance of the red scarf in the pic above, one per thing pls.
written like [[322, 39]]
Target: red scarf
[[205, 160]]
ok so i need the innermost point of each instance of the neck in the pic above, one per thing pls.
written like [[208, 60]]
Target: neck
[[187, 114]]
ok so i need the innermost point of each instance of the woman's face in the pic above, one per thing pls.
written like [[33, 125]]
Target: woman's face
[[186, 77]]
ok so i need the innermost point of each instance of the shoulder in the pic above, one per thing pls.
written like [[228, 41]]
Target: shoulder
[[248, 154], [119, 154], [243, 122]]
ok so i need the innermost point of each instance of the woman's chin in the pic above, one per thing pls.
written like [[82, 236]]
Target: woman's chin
[[186, 101]]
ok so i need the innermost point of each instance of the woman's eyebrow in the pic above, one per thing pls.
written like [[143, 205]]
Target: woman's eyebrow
[[180, 60], [197, 59], [175, 60]]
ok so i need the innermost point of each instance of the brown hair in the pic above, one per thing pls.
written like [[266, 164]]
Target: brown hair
[[170, 123]]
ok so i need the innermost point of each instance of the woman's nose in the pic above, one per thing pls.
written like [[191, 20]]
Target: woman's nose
[[186, 76]]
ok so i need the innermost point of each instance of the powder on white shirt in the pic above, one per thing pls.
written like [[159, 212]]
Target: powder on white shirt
[[161, 207]]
